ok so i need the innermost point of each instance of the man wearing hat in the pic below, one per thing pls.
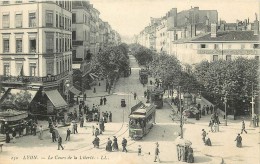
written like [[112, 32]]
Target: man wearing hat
[[157, 151], [124, 143], [203, 135]]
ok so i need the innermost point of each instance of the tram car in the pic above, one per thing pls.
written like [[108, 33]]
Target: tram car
[[141, 120], [157, 98], [143, 76]]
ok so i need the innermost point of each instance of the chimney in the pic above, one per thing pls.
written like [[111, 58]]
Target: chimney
[[256, 27], [213, 30]]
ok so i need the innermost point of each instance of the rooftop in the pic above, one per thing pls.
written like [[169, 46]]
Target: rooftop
[[229, 36]]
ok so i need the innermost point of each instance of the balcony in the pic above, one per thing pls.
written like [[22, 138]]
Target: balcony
[[77, 43], [229, 51], [32, 79]]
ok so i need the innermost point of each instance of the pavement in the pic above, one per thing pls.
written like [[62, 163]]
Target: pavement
[[165, 132]]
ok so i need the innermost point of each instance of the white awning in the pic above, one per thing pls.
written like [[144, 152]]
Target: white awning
[[56, 99], [74, 90]]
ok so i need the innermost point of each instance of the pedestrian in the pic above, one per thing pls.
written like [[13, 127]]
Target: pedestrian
[[53, 135], [207, 109], [109, 145], [239, 140], [93, 130], [257, 120], [76, 127], [139, 152], [157, 151], [101, 101], [135, 96], [145, 94], [7, 137], [190, 157], [203, 110], [110, 116], [199, 106], [81, 121], [211, 109], [40, 132], [203, 135], [124, 143], [207, 140], [243, 127], [96, 142], [105, 100], [211, 125], [94, 90], [14, 135], [96, 132], [115, 144], [215, 127], [60, 143], [68, 134]]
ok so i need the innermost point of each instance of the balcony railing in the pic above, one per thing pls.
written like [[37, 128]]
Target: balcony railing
[[229, 51], [30, 79]]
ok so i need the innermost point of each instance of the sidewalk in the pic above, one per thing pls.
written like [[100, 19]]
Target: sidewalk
[[100, 90]]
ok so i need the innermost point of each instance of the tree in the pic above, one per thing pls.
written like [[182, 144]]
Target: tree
[[110, 62], [142, 54], [232, 78], [20, 100]]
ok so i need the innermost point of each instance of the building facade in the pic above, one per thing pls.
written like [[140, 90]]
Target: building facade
[[35, 51]]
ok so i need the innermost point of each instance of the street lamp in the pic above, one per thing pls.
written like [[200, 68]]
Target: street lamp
[[225, 101], [67, 85]]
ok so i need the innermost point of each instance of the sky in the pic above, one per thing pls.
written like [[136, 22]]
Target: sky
[[129, 17]]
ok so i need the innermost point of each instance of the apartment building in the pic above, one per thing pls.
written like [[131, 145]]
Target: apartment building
[[35, 51]]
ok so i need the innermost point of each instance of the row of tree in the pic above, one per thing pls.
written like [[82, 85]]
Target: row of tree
[[237, 80], [111, 62]]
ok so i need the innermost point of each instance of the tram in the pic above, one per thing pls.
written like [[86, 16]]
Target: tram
[[143, 76], [157, 98], [141, 120]]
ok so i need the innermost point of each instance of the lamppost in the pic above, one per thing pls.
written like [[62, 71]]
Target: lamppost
[[67, 85], [180, 109], [253, 107], [225, 102]]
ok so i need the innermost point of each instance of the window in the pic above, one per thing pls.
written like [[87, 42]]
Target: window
[[57, 20], [32, 68], [49, 42], [228, 57], [6, 69], [19, 45], [32, 19], [73, 35], [257, 57], [18, 20], [73, 17], [49, 18], [50, 67], [242, 46], [18, 68], [215, 57], [203, 46], [5, 2], [32, 44], [6, 21], [256, 46], [57, 44], [6, 45], [216, 46]]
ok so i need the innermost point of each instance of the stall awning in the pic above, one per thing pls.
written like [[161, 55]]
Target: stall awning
[[13, 115], [74, 90], [56, 99]]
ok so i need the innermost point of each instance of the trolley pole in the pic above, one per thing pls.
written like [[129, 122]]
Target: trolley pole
[[180, 109]]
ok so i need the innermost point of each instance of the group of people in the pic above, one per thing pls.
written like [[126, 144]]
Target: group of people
[[111, 145], [24, 127]]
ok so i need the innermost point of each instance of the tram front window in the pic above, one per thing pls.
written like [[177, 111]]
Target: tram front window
[[136, 123]]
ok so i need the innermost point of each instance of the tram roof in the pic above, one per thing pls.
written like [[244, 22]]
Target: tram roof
[[136, 116]]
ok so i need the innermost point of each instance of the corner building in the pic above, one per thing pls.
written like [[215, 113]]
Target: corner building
[[35, 48]]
